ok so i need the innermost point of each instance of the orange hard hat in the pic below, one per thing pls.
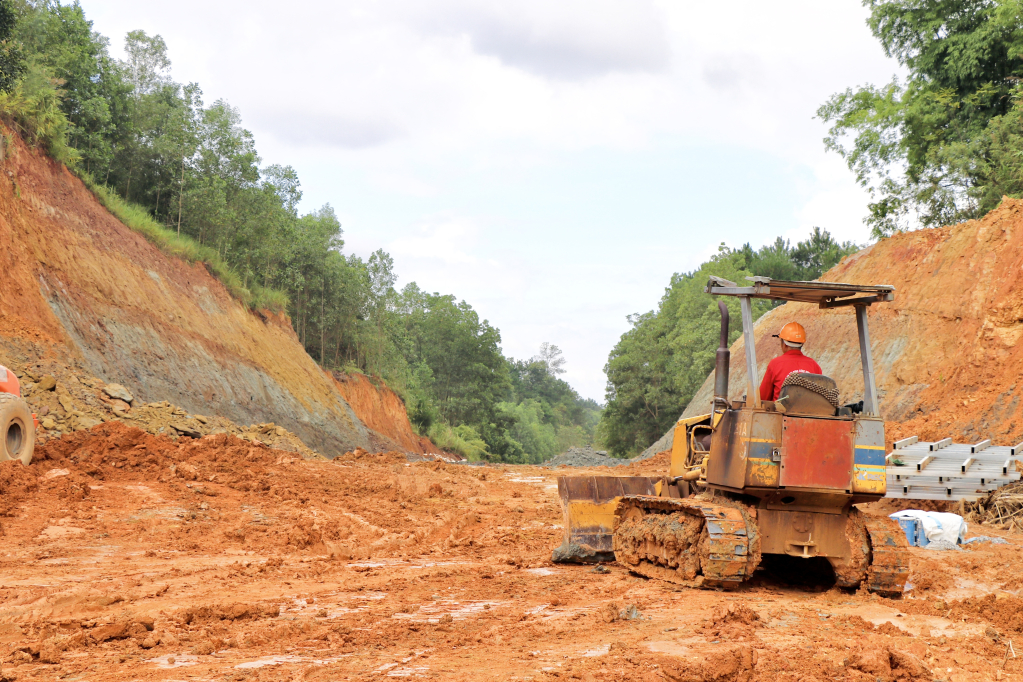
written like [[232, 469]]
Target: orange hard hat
[[793, 332]]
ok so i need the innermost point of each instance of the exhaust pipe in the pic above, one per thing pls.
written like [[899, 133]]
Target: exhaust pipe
[[723, 356]]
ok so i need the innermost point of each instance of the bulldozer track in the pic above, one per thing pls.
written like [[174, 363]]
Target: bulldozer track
[[685, 541], [889, 564]]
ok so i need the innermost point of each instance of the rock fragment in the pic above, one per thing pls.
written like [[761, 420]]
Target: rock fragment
[[119, 392]]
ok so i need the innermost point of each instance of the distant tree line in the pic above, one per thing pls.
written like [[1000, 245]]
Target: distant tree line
[[188, 175], [658, 366]]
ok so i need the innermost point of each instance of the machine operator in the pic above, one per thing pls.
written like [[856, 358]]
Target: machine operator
[[792, 336]]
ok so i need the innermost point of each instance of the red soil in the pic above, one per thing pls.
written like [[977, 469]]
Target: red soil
[[217, 558], [380, 408]]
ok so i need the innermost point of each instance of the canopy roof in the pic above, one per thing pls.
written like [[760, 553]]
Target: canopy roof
[[825, 294]]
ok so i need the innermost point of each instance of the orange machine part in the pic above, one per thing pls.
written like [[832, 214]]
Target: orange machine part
[[8, 382], [816, 453]]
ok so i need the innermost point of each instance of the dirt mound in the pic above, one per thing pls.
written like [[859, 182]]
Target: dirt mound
[[81, 291], [227, 472], [66, 401], [16, 482], [360, 455], [887, 663], [734, 621], [217, 612], [584, 457]]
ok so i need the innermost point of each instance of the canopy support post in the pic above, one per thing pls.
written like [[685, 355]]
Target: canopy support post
[[869, 387], [751, 352]]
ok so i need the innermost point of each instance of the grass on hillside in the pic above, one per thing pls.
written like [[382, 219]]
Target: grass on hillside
[[33, 110], [182, 246]]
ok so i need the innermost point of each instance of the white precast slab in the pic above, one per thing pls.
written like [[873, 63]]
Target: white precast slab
[[943, 470]]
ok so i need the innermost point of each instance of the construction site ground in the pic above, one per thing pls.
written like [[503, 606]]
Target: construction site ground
[[132, 556]]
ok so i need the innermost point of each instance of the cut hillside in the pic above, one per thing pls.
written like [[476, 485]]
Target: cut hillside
[[946, 350], [382, 410], [80, 288]]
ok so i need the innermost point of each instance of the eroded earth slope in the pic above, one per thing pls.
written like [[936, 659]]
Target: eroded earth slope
[[80, 289]]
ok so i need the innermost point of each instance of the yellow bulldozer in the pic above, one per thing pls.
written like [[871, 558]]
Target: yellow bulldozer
[[753, 477]]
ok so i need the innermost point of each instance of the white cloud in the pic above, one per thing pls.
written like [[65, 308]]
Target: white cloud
[[446, 240], [569, 39]]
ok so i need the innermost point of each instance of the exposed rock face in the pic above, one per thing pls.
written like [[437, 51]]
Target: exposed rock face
[[77, 281], [947, 351]]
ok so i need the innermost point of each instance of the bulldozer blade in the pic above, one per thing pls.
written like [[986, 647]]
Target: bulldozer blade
[[588, 504]]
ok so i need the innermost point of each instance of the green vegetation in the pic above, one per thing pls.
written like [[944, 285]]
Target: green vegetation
[[188, 177], [944, 146], [659, 365]]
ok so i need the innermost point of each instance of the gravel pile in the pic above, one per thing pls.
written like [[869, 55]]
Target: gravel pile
[[585, 457]]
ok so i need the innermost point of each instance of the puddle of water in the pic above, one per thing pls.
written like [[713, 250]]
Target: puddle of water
[[395, 670], [784, 620], [970, 588], [670, 648], [433, 612], [280, 660], [403, 563], [270, 660], [528, 479], [910, 623], [541, 571], [180, 660]]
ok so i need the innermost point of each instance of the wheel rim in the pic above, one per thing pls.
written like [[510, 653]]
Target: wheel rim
[[15, 438]]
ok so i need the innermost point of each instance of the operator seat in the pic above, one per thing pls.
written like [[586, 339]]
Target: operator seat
[[811, 394]]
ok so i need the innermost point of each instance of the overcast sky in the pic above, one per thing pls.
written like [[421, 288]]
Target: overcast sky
[[552, 163]]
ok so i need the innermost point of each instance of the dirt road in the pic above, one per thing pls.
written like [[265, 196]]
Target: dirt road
[[130, 556]]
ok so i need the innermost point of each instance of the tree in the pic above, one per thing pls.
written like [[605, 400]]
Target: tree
[[921, 147], [12, 57], [148, 66], [551, 358]]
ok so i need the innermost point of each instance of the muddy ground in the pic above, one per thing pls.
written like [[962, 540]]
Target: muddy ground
[[128, 556]]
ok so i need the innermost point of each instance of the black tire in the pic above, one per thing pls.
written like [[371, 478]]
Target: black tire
[[17, 430]]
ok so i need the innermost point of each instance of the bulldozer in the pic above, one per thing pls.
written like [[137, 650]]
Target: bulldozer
[[754, 478]]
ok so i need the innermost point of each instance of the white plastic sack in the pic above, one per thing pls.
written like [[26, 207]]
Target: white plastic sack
[[937, 525]]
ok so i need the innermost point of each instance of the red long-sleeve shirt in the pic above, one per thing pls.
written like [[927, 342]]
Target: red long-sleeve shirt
[[778, 369]]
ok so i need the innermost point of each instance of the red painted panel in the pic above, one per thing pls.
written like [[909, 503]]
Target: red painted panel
[[816, 453]]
